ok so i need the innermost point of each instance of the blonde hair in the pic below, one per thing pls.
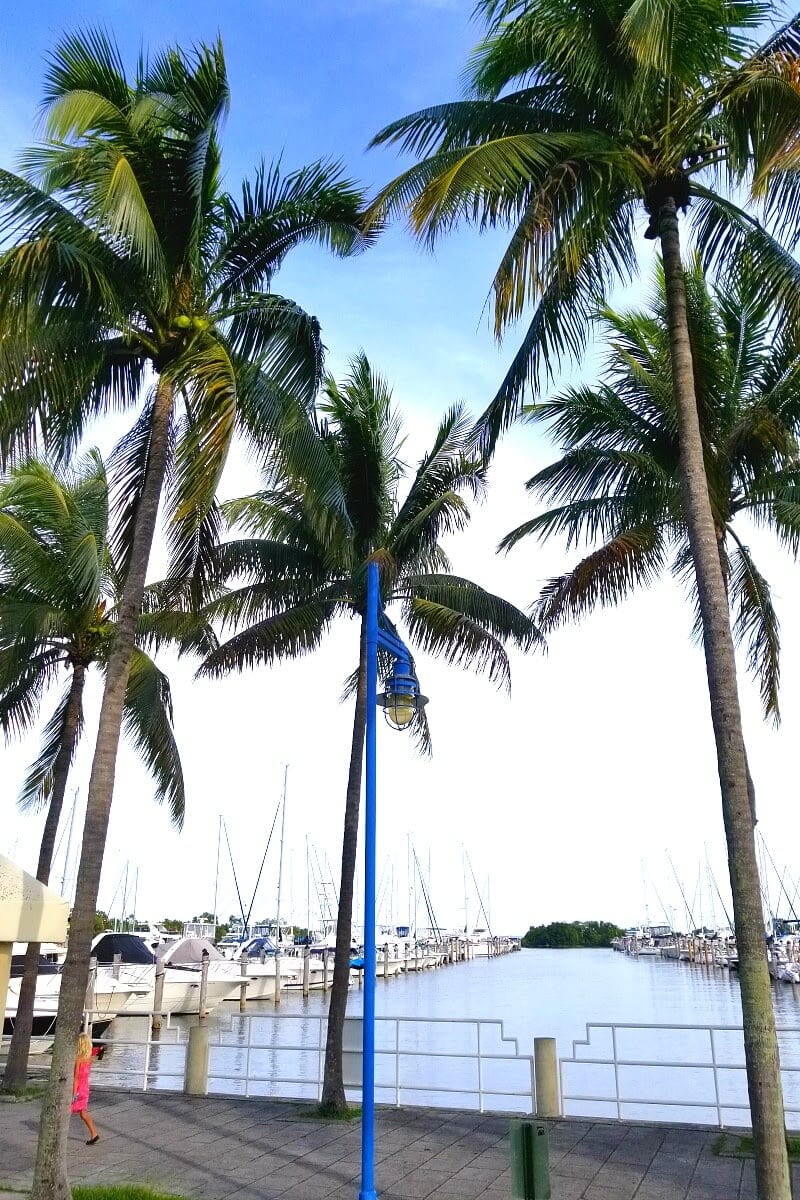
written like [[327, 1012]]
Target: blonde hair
[[84, 1047]]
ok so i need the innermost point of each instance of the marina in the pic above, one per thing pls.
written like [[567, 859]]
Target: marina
[[661, 1013], [148, 974]]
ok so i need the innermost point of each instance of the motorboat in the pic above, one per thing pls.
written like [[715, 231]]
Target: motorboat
[[189, 952], [647, 949], [781, 967], [262, 955], [125, 956], [109, 996]]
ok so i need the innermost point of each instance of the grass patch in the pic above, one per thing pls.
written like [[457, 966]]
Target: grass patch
[[121, 1191], [731, 1145], [31, 1091], [315, 1112]]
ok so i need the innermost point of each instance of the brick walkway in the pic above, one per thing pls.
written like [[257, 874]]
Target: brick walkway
[[268, 1150]]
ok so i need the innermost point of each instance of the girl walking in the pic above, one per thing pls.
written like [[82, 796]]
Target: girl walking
[[80, 1085]]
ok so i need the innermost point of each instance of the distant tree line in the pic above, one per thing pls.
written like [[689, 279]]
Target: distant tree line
[[568, 934]]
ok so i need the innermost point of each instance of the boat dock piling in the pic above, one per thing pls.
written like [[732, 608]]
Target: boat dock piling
[[158, 997]]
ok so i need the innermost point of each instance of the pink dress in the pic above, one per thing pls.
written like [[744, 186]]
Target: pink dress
[[81, 1100]]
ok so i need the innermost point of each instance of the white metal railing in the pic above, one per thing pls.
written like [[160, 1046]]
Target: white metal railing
[[691, 1073], [422, 1060], [688, 1073], [467, 1063], [153, 1062]]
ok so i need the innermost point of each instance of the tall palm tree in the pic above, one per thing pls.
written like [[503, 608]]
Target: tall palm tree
[[128, 261], [59, 596], [618, 479], [583, 115], [305, 563]]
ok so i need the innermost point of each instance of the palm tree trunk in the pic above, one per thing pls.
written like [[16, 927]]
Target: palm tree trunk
[[16, 1072], [50, 1173], [760, 1041], [333, 1097]]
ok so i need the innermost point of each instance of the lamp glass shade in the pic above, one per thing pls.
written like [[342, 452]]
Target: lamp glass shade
[[400, 709]]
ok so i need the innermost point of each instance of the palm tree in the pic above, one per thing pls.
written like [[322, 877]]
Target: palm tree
[[618, 479], [305, 563], [127, 258], [583, 115], [59, 592]]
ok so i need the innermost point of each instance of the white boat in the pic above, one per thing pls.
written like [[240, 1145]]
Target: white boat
[[647, 949], [137, 966], [188, 953], [108, 998], [780, 966], [480, 943]]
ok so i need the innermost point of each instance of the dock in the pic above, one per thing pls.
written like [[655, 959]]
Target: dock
[[215, 1148]]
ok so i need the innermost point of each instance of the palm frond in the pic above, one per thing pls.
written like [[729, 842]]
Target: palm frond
[[147, 720], [281, 339], [458, 639], [604, 577], [87, 60], [275, 213], [755, 623], [21, 698], [168, 620], [127, 467], [283, 436], [725, 234], [503, 619], [433, 505], [598, 249], [288, 634], [38, 783]]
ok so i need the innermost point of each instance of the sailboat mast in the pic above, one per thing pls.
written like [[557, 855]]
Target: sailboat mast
[[308, 893], [216, 873], [125, 898], [464, 871], [280, 861]]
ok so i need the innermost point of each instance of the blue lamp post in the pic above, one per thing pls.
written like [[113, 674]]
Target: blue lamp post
[[401, 701]]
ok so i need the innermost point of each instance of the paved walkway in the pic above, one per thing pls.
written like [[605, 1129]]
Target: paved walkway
[[215, 1148]]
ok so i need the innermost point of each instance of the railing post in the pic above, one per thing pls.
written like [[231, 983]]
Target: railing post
[[115, 966], [158, 998], [716, 1076], [196, 1076], [148, 1045], [545, 1055], [325, 969]]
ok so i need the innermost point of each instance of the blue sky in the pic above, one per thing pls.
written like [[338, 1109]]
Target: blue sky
[[566, 795]]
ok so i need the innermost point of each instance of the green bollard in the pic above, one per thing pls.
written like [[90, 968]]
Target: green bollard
[[530, 1160]]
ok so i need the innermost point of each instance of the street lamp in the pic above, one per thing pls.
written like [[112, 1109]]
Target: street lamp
[[401, 700]]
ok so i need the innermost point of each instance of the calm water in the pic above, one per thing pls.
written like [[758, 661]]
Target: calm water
[[552, 993]]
